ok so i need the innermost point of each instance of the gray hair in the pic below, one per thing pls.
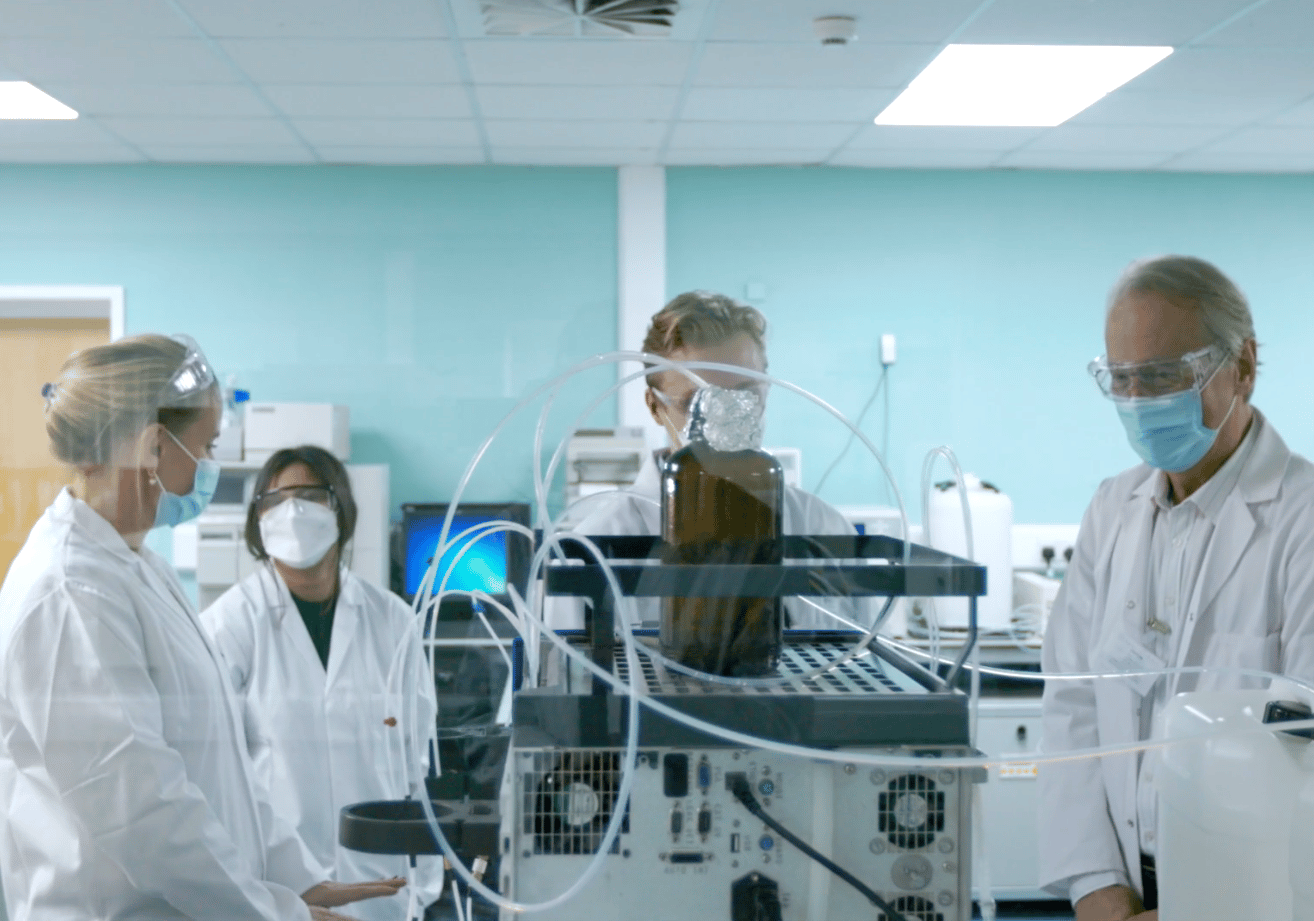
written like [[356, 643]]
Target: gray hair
[[1224, 310]]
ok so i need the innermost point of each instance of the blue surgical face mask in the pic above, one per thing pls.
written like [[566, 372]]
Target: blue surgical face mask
[[173, 510], [1168, 432]]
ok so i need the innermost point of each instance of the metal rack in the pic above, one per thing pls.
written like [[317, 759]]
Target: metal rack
[[835, 565]]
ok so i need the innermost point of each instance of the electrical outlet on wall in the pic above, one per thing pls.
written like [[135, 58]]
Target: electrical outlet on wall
[[1031, 541]]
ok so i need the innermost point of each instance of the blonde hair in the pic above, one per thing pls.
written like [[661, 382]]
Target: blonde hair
[[111, 392], [701, 318]]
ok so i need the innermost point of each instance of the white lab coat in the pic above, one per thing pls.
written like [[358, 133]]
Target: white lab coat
[[635, 511], [330, 739], [1252, 607], [124, 777]]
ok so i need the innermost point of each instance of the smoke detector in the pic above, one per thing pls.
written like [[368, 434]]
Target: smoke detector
[[835, 30], [579, 18]]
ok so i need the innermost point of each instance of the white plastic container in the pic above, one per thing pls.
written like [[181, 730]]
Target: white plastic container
[[992, 546], [1301, 863], [1226, 800]]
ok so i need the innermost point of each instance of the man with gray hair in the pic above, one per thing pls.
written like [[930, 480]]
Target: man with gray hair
[[1201, 556]]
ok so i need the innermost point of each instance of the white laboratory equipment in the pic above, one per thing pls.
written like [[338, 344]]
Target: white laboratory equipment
[[598, 460], [1228, 789], [992, 546], [215, 544], [270, 426]]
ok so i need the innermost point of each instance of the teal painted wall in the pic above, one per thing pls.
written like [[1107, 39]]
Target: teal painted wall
[[428, 299], [994, 284]]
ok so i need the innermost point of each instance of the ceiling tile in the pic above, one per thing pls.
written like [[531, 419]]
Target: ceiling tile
[[352, 19], [341, 61], [747, 156], [1140, 138], [1204, 161], [575, 156], [1283, 140], [574, 134], [580, 63], [73, 133], [887, 21], [115, 60], [98, 19], [197, 100], [748, 135], [645, 103], [373, 101], [1136, 107], [831, 105], [398, 132], [1106, 22], [812, 66], [1237, 71], [224, 153], [1278, 22], [900, 137], [1081, 160], [67, 153], [915, 159], [400, 156], [195, 132]]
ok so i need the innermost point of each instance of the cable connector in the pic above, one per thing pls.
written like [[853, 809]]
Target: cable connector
[[478, 867]]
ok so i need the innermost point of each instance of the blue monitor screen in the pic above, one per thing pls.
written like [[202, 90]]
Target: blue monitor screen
[[483, 567]]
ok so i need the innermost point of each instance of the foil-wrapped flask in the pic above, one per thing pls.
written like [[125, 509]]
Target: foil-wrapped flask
[[721, 505]]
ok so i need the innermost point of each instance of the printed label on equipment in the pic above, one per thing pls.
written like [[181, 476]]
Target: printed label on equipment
[[1018, 770]]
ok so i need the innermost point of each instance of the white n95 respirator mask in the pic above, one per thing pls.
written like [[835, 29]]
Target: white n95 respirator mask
[[298, 533]]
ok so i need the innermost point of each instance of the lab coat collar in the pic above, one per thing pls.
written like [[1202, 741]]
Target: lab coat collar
[[346, 617], [649, 480], [88, 522]]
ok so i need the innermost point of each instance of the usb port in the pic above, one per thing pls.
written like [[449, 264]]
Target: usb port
[[735, 843]]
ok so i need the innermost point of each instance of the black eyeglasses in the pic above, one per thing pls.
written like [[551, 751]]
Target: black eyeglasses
[[320, 495]]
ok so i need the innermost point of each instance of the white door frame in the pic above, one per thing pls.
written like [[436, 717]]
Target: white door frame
[[21, 302]]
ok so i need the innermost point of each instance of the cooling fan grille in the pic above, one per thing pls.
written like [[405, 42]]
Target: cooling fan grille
[[911, 811], [914, 909], [597, 18], [569, 797]]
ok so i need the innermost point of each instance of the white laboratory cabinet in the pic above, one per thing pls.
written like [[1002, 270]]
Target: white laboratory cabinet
[[1010, 727], [215, 546]]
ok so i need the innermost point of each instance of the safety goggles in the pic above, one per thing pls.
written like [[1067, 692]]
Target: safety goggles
[[320, 495], [685, 401], [1122, 380], [193, 376]]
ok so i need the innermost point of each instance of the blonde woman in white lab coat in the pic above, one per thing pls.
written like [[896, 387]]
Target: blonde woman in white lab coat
[[311, 648], [1201, 556], [702, 326], [124, 778]]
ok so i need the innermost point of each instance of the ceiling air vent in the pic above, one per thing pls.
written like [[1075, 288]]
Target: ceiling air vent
[[614, 18]]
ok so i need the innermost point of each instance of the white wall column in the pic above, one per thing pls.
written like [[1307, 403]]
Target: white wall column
[[641, 235]]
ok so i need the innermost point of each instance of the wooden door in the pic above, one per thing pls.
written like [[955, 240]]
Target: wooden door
[[31, 353]]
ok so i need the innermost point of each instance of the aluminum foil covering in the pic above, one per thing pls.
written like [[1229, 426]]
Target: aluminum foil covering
[[728, 420]]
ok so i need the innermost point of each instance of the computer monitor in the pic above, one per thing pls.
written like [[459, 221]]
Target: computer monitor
[[495, 561]]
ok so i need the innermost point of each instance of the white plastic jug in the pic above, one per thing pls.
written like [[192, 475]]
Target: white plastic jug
[[1227, 795], [992, 547]]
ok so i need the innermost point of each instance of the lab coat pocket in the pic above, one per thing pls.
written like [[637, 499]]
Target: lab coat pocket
[[1228, 654]]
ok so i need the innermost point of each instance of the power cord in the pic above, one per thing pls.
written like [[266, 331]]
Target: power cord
[[739, 786], [881, 384]]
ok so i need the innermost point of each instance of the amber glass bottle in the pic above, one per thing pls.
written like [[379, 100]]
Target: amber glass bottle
[[721, 503]]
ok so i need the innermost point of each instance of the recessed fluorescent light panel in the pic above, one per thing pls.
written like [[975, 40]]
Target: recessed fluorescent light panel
[[1017, 86], [23, 100]]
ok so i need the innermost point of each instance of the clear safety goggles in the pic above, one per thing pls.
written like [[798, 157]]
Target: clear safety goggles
[[682, 403], [320, 495], [194, 375], [1122, 380]]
